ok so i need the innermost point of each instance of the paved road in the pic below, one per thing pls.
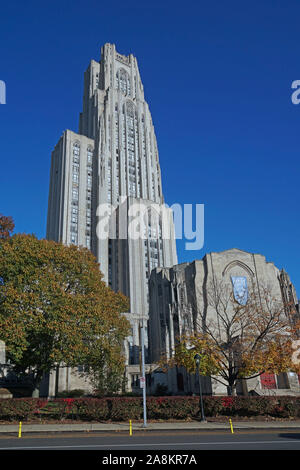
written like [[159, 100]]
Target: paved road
[[158, 441]]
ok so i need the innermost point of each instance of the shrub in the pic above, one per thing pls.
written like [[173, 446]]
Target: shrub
[[164, 408], [288, 407], [91, 409], [20, 408], [213, 406], [123, 409], [172, 407], [59, 408]]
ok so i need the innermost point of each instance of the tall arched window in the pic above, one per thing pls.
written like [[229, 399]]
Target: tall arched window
[[123, 82], [131, 163]]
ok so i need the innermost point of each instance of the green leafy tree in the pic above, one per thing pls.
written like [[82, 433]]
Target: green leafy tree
[[55, 308], [107, 377]]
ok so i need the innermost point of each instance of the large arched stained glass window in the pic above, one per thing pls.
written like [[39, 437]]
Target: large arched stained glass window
[[123, 82]]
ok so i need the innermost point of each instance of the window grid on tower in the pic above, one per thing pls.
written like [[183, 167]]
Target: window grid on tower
[[144, 159], [138, 175], [131, 149], [109, 180], [117, 143], [75, 193], [89, 183], [124, 141]]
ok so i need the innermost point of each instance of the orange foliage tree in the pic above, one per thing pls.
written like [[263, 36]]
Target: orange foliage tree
[[6, 226], [239, 342]]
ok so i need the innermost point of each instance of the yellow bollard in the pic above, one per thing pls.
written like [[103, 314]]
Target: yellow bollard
[[231, 427], [20, 429], [130, 428]]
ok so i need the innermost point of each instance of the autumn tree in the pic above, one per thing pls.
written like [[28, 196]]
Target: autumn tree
[[6, 226], [238, 340], [56, 309], [107, 377]]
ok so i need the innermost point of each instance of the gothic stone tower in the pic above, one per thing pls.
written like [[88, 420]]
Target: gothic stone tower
[[110, 168]]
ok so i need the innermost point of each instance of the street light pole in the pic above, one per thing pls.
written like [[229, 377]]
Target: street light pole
[[143, 381], [197, 360]]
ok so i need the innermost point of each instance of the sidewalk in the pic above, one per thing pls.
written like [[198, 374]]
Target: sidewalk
[[137, 427]]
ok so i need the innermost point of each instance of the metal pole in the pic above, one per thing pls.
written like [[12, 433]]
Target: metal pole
[[200, 393], [143, 375]]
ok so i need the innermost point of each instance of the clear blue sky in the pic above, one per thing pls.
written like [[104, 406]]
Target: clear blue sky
[[217, 76]]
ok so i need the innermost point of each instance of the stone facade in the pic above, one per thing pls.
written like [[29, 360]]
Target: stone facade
[[178, 294]]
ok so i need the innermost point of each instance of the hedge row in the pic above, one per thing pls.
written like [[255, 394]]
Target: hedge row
[[123, 409]]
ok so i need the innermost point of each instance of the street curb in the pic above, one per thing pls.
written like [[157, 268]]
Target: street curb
[[138, 427]]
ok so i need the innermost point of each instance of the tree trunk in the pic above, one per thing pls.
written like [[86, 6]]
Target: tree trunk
[[36, 381], [56, 379], [231, 389]]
